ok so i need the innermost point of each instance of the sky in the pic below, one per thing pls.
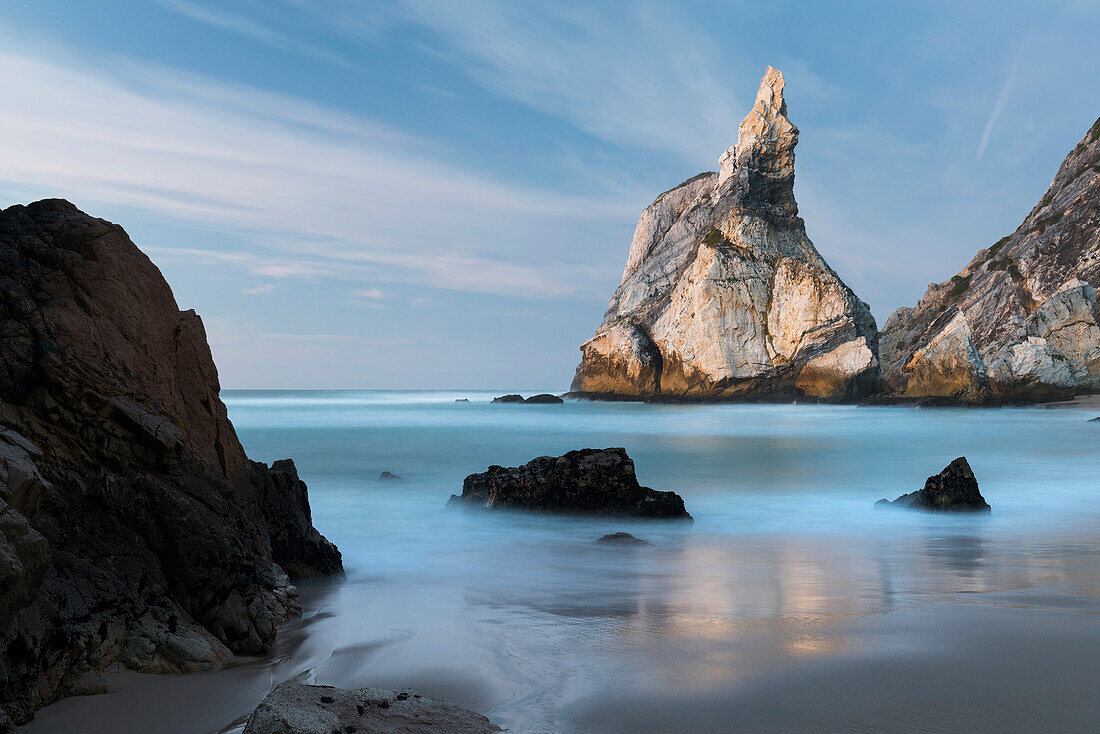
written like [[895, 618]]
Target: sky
[[442, 194]]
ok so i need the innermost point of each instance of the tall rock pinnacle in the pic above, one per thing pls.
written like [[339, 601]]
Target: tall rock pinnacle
[[724, 296]]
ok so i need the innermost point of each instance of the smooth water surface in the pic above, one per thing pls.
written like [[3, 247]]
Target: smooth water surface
[[790, 604]]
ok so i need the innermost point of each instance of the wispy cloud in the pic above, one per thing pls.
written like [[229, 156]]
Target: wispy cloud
[[259, 289], [374, 294], [999, 104], [316, 192], [250, 28]]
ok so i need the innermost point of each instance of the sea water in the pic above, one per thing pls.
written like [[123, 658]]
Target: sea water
[[790, 584]]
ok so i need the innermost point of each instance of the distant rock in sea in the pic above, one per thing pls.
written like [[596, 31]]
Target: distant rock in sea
[[388, 476], [621, 539], [540, 399], [462, 400], [134, 531], [295, 708], [954, 489], [724, 297], [589, 481], [1094, 420], [544, 399], [1020, 321]]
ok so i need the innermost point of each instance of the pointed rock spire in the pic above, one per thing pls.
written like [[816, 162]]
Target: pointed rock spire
[[765, 144]]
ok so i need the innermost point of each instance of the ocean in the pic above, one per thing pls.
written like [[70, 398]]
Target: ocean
[[790, 604]]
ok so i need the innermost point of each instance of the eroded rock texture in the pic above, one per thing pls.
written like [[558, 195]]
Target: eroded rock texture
[[589, 481], [133, 528], [724, 296], [294, 708], [955, 489], [1019, 322]]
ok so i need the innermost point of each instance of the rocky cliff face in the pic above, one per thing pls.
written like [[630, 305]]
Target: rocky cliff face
[[724, 296], [133, 529], [1019, 322]]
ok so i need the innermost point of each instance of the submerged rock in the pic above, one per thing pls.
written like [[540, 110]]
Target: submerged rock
[[544, 399], [134, 531], [952, 490], [1020, 321], [621, 539], [388, 476], [294, 708], [509, 399], [589, 481], [724, 296]]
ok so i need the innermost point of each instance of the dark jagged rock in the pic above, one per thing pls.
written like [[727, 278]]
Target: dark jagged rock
[[589, 481], [294, 708], [388, 476], [621, 539], [134, 531], [1020, 321], [724, 297], [952, 490], [544, 399], [509, 399]]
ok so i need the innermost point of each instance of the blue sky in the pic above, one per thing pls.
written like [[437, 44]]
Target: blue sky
[[442, 194]]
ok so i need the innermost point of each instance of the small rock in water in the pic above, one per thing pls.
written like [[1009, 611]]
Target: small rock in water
[[1094, 420], [621, 539], [544, 399], [588, 482], [952, 490], [462, 400], [509, 399], [390, 477]]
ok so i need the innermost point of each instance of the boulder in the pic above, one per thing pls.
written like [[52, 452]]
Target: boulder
[[589, 481], [1021, 322], [509, 399], [621, 539], [544, 399], [952, 490], [294, 708], [724, 297], [134, 531]]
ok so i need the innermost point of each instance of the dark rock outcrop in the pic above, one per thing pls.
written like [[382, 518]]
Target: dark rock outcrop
[[724, 297], [589, 481], [388, 476], [294, 708], [544, 399], [621, 539], [134, 531], [1020, 321], [509, 399], [952, 490]]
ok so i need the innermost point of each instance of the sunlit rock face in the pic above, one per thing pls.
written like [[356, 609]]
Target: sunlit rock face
[[1019, 322], [724, 296]]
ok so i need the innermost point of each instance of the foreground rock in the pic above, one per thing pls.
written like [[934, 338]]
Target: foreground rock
[[134, 531], [1020, 321], [589, 481], [293, 708], [621, 539], [952, 490], [724, 296]]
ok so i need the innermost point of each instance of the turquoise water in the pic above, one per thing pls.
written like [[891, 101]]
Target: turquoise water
[[790, 605], [525, 619]]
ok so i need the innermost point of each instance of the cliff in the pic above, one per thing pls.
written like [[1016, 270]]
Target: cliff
[[1019, 322], [134, 531], [724, 296]]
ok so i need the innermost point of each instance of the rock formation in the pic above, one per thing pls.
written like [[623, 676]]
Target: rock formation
[[620, 538], [724, 296], [1019, 322], [134, 531], [293, 708], [952, 490], [589, 481]]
